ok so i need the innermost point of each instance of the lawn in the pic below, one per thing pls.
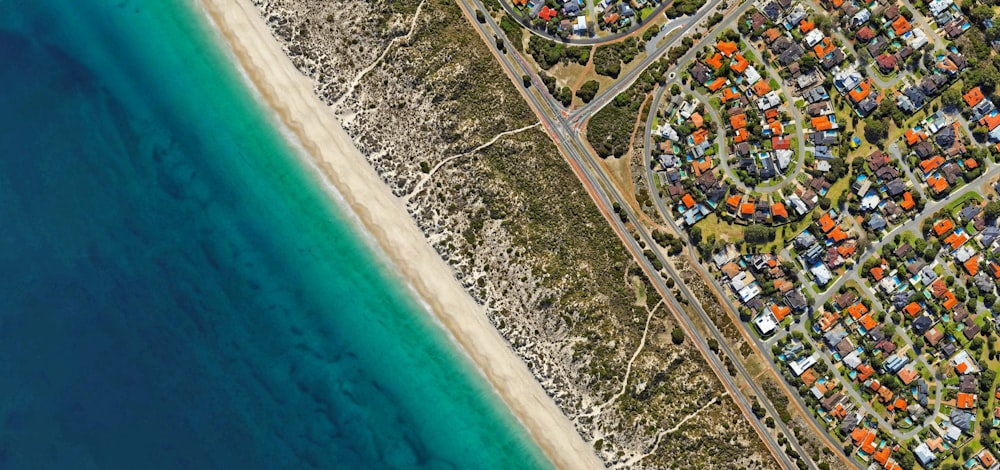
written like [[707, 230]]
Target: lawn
[[957, 204], [722, 230]]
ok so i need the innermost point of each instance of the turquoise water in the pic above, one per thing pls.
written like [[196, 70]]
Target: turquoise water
[[178, 293]]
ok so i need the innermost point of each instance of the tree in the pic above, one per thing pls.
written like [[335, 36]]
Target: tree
[[992, 210], [824, 203], [980, 13], [588, 90], [480, 16], [876, 131], [677, 335], [951, 97], [695, 233]]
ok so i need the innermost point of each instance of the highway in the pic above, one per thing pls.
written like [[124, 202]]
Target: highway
[[565, 132]]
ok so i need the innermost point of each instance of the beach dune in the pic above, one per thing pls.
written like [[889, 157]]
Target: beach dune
[[313, 125]]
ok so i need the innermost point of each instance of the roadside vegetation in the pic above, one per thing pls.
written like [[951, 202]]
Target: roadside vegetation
[[610, 130], [608, 59], [548, 53]]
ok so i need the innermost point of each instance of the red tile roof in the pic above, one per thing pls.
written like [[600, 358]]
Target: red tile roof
[[973, 97]]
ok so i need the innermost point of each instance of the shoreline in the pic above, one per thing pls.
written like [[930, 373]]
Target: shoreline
[[384, 217]]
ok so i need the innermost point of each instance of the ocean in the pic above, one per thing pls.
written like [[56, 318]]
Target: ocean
[[179, 292]]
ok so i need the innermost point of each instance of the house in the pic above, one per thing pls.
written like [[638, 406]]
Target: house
[[864, 34], [924, 455], [901, 26], [877, 46], [700, 73], [833, 59], [886, 63]]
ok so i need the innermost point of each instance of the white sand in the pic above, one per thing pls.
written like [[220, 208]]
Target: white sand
[[383, 215]]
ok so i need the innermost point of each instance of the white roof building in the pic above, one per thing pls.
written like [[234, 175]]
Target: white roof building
[[802, 365], [765, 324], [751, 75], [813, 38]]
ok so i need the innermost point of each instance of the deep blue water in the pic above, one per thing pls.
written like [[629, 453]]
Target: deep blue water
[[177, 291]]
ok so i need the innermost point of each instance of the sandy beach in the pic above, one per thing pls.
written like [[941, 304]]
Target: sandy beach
[[384, 217]]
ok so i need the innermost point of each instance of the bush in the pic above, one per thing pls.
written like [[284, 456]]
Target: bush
[[588, 90], [677, 335], [548, 53]]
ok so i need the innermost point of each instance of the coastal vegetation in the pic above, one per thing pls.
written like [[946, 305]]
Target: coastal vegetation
[[521, 233]]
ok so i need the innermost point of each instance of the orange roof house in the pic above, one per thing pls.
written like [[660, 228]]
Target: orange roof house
[[908, 202], [828, 320], [943, 226], [776, 127], [996, 269], [610, 19], [861, 92], [826, 223], [938, 288], [699, 136], [868, 322], [972, 265], [912, 136], [874, 385], [986, 458], [878, 273], [778, 210], [761, 88], [913, 309], [771, 114], [907, 375], [824, 47], [771, 34], [962, 367], [971, 163], [846, 250], [727, 48], [808, 377], [821, 123], [901, 26], [865, 371], [882, 456], [688, 201], [868, 446], [747, 208], [938, 183], [697, 120], [859, 434], [780, 312], [991, 121], [738, 121], [715, 61], [728, 94], [837, 235], [966, 401], [949, 300], [973, 97], [739, 64], [856, 310], [956, 240], [805, 26], [733, 202], [741, 135], [548, 13], [714, 85], [931, 163], [885, 395]]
